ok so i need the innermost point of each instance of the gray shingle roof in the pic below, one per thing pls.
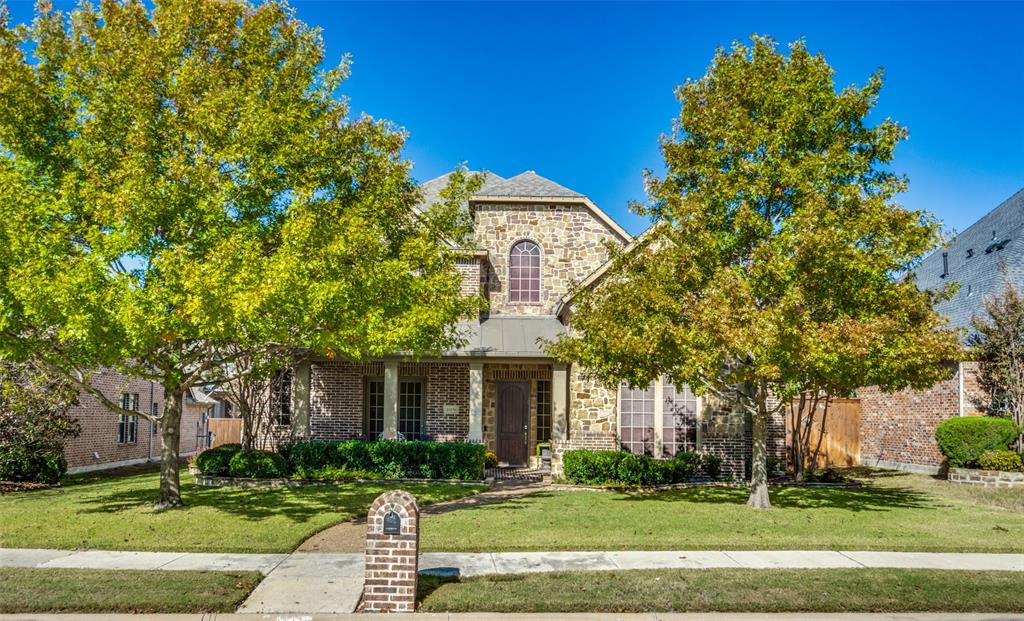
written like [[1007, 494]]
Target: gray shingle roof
[[974, 258], [528, 184], [432, 189]]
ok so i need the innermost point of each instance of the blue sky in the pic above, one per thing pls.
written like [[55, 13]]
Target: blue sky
[[580, 92]]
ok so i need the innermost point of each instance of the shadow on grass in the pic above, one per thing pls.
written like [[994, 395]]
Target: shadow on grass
[[866, 498], [299, 504]]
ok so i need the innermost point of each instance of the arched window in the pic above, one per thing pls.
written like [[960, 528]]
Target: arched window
[[524, 273]]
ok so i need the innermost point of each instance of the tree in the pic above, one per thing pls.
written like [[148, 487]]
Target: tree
[[998, 344], [35, 420], [184, 184], [774, 263]]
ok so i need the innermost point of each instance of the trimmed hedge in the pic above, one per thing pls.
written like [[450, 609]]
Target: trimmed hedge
[[215, 462], [1007, 461], [257, 465], [588, 467], [384, 459], [964, 439]]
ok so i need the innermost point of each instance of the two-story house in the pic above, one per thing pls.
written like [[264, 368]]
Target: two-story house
[[534, 240]]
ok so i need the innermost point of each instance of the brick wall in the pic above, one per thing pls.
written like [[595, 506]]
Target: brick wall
[[337, 394], [898, 429], [391, 560], [472, 278], [511, 372], [97, 446]]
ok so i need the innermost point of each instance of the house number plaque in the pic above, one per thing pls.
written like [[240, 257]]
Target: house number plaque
[[392, 523]]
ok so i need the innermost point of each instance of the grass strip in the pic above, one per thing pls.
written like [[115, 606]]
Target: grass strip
[[133, 591], [729, 590]]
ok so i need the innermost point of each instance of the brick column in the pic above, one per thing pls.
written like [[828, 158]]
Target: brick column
[[392, 553], [476, 402]]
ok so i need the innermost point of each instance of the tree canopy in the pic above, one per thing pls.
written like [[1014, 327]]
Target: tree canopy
[[778, 257], [178, 180]]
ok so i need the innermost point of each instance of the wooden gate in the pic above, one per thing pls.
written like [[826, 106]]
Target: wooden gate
[[840, 444], [224, 431]]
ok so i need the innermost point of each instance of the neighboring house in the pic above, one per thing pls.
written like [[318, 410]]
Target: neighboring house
[[534, 240], [110, 440], [898, 430]]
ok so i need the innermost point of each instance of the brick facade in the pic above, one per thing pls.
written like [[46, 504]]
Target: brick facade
[[97, 447], [898, 429], [511, 372]]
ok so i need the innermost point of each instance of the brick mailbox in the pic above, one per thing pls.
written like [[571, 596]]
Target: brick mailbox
[[392, 553]]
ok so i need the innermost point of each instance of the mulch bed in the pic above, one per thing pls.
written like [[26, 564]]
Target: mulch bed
[[6, 487]]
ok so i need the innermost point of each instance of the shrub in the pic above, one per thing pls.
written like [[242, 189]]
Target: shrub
[[711, 464], [490, 459], [587, 467], [26, 463], [964, 439], [1007, 461], [385, 459], [685, 466], [216, 461], [257, 465], [635, 469], [775, 466]]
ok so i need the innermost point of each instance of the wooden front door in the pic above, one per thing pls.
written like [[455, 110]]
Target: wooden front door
[[513, 421]]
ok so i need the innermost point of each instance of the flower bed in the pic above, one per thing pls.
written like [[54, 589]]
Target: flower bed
[[986, 478]]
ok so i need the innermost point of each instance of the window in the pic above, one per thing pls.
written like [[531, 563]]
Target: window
[[636, 411], [128, 425], [410, 409], [543, 410], [524, 273], [283, 396], [374, 408], [679, 422]]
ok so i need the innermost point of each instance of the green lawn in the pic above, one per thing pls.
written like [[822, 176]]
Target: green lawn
[[109, 590], [891, 512], [731, 590], [115, 513]]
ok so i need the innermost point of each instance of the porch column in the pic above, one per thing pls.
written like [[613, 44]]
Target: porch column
[[300, 401], [559, 402], [659, 416], [476, 402], [390, 401]]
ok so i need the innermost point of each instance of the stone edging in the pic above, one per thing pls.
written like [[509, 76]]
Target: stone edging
[[203, 480], [986, 478], [569, 487]]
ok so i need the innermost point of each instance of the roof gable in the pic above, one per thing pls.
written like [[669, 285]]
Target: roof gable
[[528, 184]]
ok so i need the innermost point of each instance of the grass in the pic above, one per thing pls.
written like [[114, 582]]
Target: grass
[[892, 511], [730, 590], [115, 512], [109, 590]]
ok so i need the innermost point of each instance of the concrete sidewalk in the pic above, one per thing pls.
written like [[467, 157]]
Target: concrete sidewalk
[[316, 583]]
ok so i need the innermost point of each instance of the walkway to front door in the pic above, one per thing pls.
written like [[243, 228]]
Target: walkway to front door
[[513, 422]]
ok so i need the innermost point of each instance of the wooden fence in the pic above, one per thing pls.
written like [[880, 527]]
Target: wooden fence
[[224, 431], [840, 444]]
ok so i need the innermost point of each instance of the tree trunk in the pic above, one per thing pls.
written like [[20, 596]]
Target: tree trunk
[[170, 438], [759, 462]]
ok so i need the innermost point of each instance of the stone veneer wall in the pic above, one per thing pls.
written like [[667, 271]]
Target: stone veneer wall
[[337, 391], [728, 432], [898, 429], [986, 478], [571, 241], [511, 372]]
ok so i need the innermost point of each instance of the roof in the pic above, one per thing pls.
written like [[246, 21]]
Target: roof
[[508, 336], [432, 189], [974, 259], [527, 184]]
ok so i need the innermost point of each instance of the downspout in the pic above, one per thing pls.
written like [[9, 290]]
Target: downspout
[[960, 381]]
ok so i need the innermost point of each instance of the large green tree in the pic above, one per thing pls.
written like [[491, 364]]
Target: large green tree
[[776, 260], [183, 185]]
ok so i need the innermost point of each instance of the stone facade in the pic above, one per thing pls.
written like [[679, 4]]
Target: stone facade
[[986, 478], [97, 446], [898, 429], [571, 240]]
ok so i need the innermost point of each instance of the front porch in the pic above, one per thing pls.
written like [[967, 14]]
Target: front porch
[[508, 405]]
